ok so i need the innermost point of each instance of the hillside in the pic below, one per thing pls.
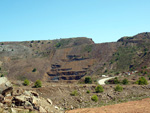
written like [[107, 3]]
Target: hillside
[[74, 58]]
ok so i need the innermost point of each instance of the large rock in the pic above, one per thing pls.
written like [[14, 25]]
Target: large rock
[[5, 86]]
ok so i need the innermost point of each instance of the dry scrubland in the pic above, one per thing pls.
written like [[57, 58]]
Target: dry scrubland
[[62, 66]]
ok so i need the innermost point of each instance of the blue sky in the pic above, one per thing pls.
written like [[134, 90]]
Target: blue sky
[[101, 20]]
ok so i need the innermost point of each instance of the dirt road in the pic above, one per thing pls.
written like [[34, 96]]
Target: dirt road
[[102, 81], [141, 106]]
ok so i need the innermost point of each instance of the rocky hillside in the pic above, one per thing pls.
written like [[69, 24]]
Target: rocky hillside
[[71, 59]]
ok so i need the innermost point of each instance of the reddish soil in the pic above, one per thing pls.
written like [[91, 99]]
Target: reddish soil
[[141, 106]]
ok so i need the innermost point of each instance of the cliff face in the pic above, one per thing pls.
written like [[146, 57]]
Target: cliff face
[[71, 59]]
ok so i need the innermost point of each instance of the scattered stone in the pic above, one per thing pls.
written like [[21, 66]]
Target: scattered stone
[[56, 107], [49, 101]]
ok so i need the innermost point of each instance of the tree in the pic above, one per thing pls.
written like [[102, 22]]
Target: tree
[[118, 88], [142, 81], [37, 84], [26, 82], [94, 98], [99, 89], [125, 81], [88, 80]]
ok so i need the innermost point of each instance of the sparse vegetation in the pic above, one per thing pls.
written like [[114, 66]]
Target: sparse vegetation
[[88, 80], [74, 93], [38, 84], [94, 98], [88, 48], [99, 89], [118, 88]]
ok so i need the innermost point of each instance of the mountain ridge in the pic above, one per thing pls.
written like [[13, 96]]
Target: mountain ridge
[[74, 58]]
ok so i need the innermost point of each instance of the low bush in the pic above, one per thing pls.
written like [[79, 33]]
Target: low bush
[[38, 84], [142, 81], [26, 82], [125, 81], [116, 81], [118, 88], [34, 70], [94, 98], [88, 80], [87, 91], [99, 89]]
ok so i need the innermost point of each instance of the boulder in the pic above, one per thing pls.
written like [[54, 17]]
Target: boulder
[[5, 86], [8, 100], [20, 100], [17, 92], [34, 100]]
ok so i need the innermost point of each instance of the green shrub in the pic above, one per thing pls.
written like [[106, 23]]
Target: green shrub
[[88, 80], [142, 81], [94, 98], [74, 93], [99, 89], [37, 84], [116, 81], [34, 70], [118, 88], [87, 91], [125, 81], [145, 72], [26, 82], [58, 45]]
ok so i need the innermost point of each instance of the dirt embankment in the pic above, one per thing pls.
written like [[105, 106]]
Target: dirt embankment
[[141, 106]]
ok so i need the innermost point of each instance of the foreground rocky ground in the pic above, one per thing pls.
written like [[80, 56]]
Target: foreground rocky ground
[[141, 106], [60, 94], [17, 100]]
